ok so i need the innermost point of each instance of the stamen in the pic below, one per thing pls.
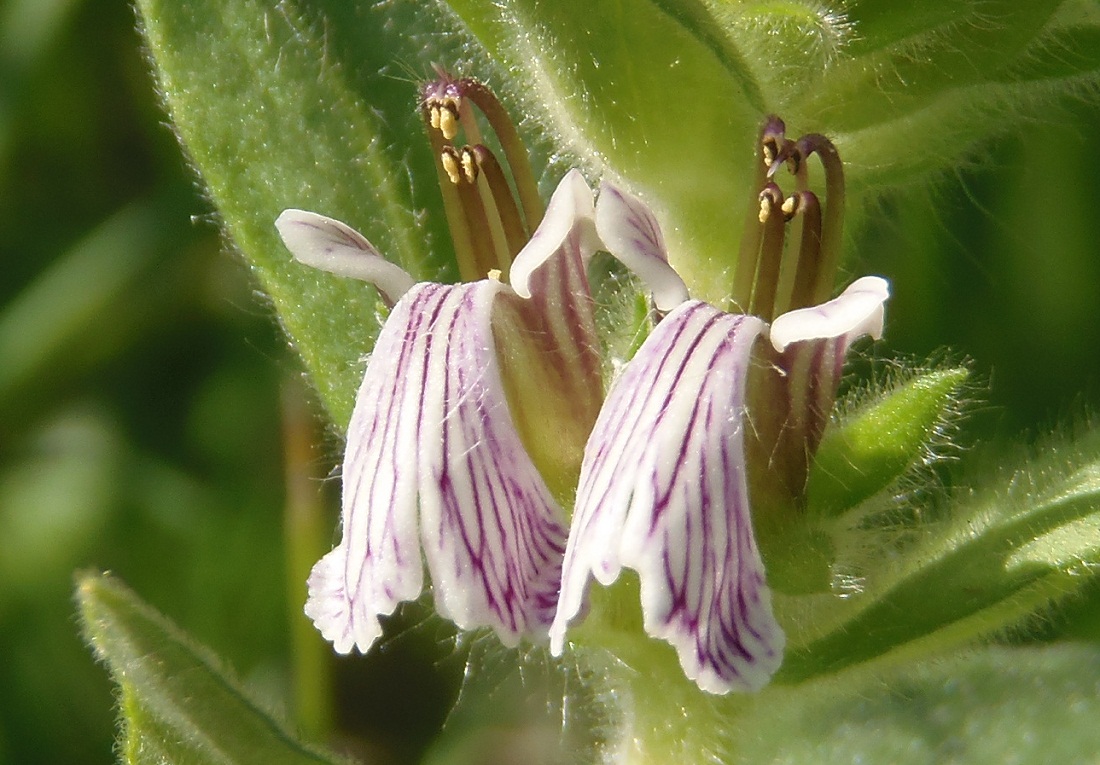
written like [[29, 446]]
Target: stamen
[[496, 203], [514, 151], [832, 224], [490, 170], [805, 205], [771, 252], [771, 135], [485, 221], [487, 254]]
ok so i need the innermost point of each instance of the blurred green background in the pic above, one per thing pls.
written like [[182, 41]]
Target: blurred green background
[[143, 382]]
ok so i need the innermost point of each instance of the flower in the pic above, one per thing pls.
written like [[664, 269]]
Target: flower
[[480, 410], [665, 481], [475, 403]]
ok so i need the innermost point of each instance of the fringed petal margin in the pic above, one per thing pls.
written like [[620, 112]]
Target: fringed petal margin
[[431, 448], [663, 491]]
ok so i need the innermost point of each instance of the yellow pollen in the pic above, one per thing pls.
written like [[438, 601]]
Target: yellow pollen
[[469, 165], [769, 155], [765, 209], [790, 206], [495, 274], [450, 166], [433, 112], [448, 121]]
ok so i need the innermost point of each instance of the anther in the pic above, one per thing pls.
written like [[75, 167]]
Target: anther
[[769, 151], [781, 152], [441, 100], [469, 165], [448, 158], [765, 208], [790, 206], [770, 198], [772, 139], [448, 120]]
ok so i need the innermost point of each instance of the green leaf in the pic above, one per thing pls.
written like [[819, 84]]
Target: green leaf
[[908, 76], [1000, 556], [178, 704], [991, 704], [995, 705], [882, 77], [877, 444], [297, 104]]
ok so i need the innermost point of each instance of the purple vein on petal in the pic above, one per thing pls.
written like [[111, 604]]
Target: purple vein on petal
[[432, 446], [663, 491]]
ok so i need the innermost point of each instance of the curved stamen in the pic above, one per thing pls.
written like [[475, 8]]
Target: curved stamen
[[832, 224], [483, 163], [768, 143], [486, 233], [805, 206], [771, 252], [514, 151]]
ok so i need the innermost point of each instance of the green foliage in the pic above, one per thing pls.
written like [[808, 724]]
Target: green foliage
[[284, 107], [178, 704], [877, 444], [923, 583], [137, 421], [992, 705]]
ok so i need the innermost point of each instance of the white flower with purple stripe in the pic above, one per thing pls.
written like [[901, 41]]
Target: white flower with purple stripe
[[664, 481], [435, 472], [480, 409]]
